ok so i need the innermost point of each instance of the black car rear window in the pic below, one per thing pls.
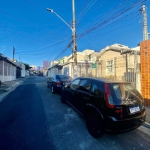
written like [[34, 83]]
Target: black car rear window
[[63, 77], [124, 93]]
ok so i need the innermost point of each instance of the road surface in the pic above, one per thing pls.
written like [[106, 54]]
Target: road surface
[[32, 118]]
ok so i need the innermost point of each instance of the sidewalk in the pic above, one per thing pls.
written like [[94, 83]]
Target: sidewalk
[[8, 85], [147, 122]]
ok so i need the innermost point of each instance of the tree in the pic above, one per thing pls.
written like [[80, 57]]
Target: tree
[[27, 67]]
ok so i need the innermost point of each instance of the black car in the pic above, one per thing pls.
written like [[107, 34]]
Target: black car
[[57, 81], [107, 104]]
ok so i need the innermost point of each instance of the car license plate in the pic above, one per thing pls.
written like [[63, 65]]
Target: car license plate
[[59, 85], [134, 109], [66, 83]]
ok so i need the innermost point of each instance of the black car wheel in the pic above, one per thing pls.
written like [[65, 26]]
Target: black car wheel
[[63, 100], [94, 124]]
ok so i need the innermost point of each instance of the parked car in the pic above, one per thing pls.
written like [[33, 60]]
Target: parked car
[[40, 74], [107, 104], [57, 81]]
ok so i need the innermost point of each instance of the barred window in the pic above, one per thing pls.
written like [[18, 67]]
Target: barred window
[[110, 66]]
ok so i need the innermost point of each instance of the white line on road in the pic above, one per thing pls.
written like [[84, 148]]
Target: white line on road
[[144, 129]]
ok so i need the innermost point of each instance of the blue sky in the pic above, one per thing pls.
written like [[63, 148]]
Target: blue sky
[[39, 35]]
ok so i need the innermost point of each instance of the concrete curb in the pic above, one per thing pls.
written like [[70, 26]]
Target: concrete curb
[[146, 124], [7, 89], [10, 89]]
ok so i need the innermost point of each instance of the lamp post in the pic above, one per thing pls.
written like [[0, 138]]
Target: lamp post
[[73, 29]]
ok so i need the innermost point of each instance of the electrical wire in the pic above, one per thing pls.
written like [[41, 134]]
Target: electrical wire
[[116, 15], [108, 14], [100, 18], [94, 27], [35, 4]]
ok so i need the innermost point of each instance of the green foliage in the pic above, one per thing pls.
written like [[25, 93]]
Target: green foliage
[[27, 67]]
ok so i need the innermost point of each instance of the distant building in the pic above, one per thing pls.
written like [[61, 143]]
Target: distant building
[[45, 64], [39, 67], [34, 67]]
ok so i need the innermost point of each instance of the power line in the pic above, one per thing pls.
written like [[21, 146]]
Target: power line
[[41, 49], [39, 6], [118, 14], [99, 19], [17, 18], [108, 14], [115, 16]]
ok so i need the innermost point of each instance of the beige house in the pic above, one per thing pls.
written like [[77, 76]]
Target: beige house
[[119, 62], [116, 61], [83, 64], [81, 56], [52, 63], [63, 60]]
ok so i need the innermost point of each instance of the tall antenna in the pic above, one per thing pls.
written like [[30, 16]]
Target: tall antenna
[[145, 30]]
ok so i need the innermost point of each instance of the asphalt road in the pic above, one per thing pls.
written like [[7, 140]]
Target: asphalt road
[[23, 123], [32, 118]]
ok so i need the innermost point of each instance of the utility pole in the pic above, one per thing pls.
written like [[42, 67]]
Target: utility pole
[[13, 52], [74, 38], [74, 33], [126, 68], [145, 30], [73, 29]]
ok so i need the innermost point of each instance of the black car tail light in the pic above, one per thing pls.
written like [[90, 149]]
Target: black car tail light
[[58, 82], [119, 112], [109, 100]]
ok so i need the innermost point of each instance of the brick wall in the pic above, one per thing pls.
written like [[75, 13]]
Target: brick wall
[[145, 70]]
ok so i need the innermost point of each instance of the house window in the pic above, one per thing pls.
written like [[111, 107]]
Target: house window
[[110, 66]]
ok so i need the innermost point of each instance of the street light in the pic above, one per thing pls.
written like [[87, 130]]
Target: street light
[[52, 11], [73, 29]]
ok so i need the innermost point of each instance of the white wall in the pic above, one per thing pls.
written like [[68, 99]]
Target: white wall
[[22, 66], [138, 82], [52, 71], [10, 73], [68, 69], [23, 71], [26, 73]]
